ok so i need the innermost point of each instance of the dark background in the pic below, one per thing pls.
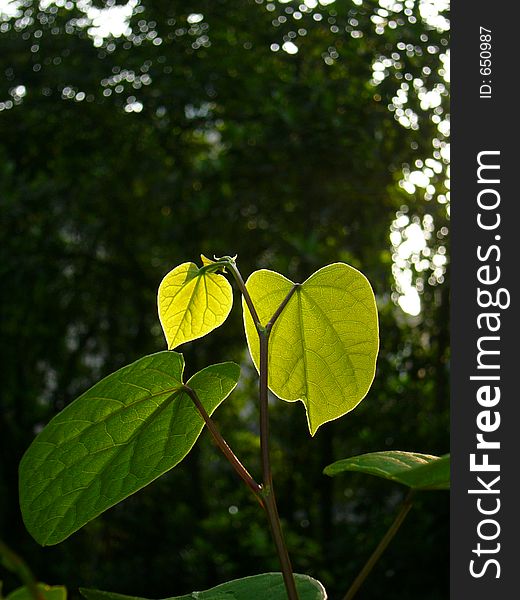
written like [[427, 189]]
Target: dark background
[[289, 161]]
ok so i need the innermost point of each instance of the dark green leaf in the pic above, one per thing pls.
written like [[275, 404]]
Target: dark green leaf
[[417, 471], [117, 437], [268, 586]]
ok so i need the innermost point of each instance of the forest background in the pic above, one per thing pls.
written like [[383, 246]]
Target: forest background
[[135, 136]]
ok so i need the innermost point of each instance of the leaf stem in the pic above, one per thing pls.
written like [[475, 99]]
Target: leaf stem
[[17, 565], [279, 310], [242, 472], [381, 547], [231, 265]]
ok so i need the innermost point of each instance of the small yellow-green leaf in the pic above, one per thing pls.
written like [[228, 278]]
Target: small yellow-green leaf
[[192, 302], [117, 437], [268, 586], [417, 471], [324, 345], [48, 592], [206, 261]]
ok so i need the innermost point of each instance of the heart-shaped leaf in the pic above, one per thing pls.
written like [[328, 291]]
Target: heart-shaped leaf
[[117, 437], [268, 586], [417, 471], [47, 592], [192, 302], [324, 345]]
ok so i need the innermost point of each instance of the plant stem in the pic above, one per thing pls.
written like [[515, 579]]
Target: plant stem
[[268, 489], [224, 447], [387, 538], [17, 565], [268, 497]]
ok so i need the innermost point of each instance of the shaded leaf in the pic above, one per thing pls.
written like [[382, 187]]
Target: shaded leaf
[[324, 345], [117, 437], [192, 302], [56, 592], [417, 471], [268, 586]]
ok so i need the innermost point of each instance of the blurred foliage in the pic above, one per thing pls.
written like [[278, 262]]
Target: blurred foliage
[[122, 158]]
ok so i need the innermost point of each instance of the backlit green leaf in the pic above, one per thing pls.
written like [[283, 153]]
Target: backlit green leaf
[[268, 586], [324, 345], [117, 437], [56, 592], [417, 471], [192, 302]]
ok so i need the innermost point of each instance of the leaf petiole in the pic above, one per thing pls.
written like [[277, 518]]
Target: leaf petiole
[[279, 310], [242, 472], [233, 269]]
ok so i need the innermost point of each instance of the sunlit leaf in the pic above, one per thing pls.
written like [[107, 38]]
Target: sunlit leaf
[[48, 592], [192, 302], [324, 345], [417, 471], [268, 586], [117, 437]]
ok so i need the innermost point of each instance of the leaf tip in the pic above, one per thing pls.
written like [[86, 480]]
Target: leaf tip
[[313, 428]]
